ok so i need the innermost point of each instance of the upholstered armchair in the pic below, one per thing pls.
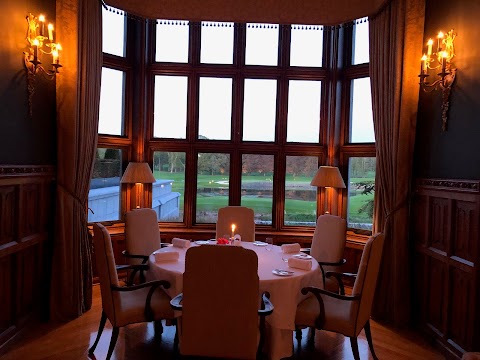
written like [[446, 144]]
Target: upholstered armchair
[[241, 216], [346, 314], [220, 303], [125, 305]]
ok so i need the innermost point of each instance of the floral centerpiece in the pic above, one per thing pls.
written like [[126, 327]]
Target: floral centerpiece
[[223, 241]]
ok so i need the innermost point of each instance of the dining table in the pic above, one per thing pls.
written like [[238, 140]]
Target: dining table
[[282, 282]]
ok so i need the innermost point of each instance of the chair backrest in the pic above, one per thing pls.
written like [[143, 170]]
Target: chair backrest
[[367, 276], [329, 238], [241, 216], [220, 302], [142, 235], [106, 268]]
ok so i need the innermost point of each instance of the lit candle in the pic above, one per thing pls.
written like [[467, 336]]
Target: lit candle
[[233, 230], [429, 44], [440, 40], [424, 64], [444, 61], [55, 56], [35, 49], [41, 18], [50, 32]]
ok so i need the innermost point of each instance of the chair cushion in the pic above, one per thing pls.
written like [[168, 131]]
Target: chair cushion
[[471, 356], [130, 306]]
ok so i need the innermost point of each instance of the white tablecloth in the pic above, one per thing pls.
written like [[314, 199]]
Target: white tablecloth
[[285, 292]]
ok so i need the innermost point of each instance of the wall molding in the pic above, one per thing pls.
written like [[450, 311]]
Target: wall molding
[[26, 170], [450, 184]]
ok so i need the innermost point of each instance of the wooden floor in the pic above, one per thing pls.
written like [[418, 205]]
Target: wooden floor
[[71, 341]]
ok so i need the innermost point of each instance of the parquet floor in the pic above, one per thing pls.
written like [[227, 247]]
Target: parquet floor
[[69, 341]]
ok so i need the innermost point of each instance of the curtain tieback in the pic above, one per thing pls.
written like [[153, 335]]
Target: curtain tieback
[[400, 205], [71, 194]]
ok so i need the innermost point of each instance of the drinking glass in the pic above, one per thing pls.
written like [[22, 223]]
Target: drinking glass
[[269, 242]]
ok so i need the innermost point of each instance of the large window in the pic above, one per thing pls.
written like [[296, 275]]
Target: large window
[[242, 114]]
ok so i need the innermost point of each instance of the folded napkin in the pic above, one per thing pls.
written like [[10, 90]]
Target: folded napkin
[[237, 237], [166, 256], [300, 263], [181, 243], [291, 248], [237, 242]]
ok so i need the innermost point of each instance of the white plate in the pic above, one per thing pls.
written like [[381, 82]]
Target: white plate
[[302, 256], [281, 272], [259, 243], [202, 242]]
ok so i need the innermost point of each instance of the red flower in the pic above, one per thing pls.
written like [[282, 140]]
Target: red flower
[[223, 241]]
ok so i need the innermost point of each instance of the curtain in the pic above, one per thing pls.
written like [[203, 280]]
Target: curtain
[[396, 36], [79, 28], [314, 12]]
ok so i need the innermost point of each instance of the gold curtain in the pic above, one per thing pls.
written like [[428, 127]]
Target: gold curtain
[[314, 12], [79, 29], [396, 36]]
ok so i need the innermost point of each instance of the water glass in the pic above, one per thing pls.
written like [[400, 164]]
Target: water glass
[[269, 242]]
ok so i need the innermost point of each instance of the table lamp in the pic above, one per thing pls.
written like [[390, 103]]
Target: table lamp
[[138, 173], [328, 177]]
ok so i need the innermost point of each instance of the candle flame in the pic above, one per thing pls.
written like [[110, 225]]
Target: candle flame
[[440, 35], [41, 18], [430, 42]]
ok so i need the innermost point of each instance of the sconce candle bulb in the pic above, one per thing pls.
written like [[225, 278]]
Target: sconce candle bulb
[[441, 59]]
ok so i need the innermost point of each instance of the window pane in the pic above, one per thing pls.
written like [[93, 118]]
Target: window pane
[[172, 41], [257, 186], [212, 185], [259, 110], [170, 108], [217, 43], [303, 119], [111, 113], [262, 44], [215, 108], [113, 29], [306, 45], [300, 196], [104, 194], [361, 117], [169, 189], [361, 189], [360, 43]]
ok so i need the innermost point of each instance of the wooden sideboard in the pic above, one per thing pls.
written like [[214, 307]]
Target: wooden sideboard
[[26, 219], [445, 227]]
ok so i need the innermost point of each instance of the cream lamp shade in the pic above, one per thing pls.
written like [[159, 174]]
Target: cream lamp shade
[[138, 173], [328, 176]]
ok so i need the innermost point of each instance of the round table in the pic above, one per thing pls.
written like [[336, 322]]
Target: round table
[[285, 291]]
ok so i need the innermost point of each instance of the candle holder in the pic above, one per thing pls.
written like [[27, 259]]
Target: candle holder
[[441, 60]]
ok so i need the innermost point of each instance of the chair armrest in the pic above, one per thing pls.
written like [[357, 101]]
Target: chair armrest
[[336, 263], [306, 250], [135, 256], [266, 306], [175, 303], [136, 268], [320, 320], [338, 276]]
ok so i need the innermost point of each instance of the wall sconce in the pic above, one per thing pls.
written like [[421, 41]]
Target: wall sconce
[[328, 177], [441, 60], [138, 173], [40, 40]]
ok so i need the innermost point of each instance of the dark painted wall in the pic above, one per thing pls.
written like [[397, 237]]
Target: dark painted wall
[[455, 153], [23, 139]]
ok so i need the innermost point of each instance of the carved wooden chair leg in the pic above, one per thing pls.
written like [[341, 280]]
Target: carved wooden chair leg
[[103, 320], [368, 333], [311, 338], [354, 343], [175, 343], [113, 341], [158, 327], [298, 335]]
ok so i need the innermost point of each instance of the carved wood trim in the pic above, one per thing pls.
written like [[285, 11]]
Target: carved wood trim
[[26, 170], [450, 184]]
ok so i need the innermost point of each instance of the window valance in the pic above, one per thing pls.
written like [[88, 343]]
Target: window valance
[[314, 12]]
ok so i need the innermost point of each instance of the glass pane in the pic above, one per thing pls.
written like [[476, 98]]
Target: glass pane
[[259, 110], [361, 190], [170, 107], [112, 99], [217, 43], [215, 108], [169, 189], [306, 45], [257, 186], [104, 194], [300, 196], [361, 117], [172, 41], [113, 29], [303, 119], [360, 44], [212, 185], [262, 44]]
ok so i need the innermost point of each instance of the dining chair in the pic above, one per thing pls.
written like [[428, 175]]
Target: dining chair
[[125, 305], [243, 219], [142, 238], [346, 314], [220, 303]]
